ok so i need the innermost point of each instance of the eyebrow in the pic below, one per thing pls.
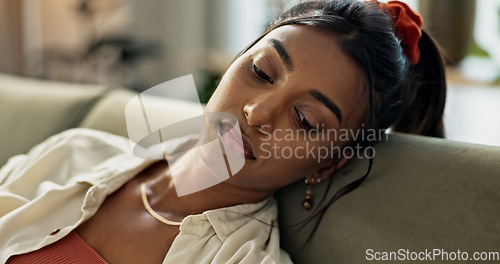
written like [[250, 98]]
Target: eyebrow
[[285, 58], [327, 102]]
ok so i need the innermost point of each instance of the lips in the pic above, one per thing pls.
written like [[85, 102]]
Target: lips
[[230, 139], [247, 148]]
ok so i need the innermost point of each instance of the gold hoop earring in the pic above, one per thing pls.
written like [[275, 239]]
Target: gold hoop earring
[[307, 203]]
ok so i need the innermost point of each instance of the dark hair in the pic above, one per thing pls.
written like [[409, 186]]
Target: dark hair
[[410, 98]]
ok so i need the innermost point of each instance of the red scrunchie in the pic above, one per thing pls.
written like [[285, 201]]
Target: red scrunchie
[[407, 25]]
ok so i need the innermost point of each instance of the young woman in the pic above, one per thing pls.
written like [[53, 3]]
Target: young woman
[[320, 67]]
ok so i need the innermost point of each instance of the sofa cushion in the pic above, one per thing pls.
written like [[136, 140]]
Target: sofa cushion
[[32, 110], [109, 114], [422, 193]]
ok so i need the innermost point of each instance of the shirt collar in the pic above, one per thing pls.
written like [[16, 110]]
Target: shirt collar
[[226, 221]]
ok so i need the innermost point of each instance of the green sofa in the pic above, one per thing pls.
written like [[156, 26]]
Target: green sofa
[[424, 195]]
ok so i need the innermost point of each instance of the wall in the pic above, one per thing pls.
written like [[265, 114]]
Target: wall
[[10, 37]]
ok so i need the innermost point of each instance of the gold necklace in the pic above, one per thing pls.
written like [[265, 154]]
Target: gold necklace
[[151, 211]]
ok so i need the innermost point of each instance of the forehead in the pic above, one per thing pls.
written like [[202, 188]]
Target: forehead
[[319, 63]]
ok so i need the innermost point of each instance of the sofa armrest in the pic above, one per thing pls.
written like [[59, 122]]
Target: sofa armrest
[[422, 193], [32, 110]]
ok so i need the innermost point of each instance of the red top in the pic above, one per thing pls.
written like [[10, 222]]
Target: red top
[[70, 249]]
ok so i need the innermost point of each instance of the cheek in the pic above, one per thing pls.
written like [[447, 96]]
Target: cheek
[[230, 91]]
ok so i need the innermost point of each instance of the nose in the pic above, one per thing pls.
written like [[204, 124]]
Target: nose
[[260, 114]]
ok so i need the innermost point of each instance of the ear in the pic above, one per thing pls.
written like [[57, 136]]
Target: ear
[[327, 170]]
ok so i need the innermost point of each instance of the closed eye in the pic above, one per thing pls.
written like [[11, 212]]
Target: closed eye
[[260, 74], [301, 120]]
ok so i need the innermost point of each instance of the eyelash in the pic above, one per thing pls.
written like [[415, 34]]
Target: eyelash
[[301, 120], [260, 74]]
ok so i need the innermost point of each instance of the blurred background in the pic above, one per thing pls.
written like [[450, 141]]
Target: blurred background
[[138, 44]]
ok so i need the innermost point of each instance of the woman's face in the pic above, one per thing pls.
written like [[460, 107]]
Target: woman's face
[[290, 92]]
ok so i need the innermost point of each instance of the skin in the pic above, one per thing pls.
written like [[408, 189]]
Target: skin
[[315, 62]]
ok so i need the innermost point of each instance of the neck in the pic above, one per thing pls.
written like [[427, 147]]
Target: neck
[[163, 196]]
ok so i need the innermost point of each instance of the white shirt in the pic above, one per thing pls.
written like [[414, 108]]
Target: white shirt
[[63, 181]]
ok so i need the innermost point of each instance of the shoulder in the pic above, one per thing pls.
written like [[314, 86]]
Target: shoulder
[[68, 153], [86, 137], [77, 142]]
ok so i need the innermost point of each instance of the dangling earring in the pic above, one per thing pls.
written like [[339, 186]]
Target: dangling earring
[[307, 203]]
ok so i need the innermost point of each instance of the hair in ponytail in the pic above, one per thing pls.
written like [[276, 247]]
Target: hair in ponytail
[[423, 112]]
